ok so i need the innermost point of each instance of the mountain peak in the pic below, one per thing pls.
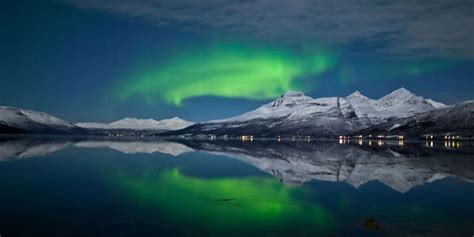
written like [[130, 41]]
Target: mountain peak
[[175, 118], [400, 94], [291, 97], [293, 94], [357, 94], [402, 91], [132, 120]]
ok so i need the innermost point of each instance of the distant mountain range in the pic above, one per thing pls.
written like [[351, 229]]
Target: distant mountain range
[[292, 115], [15, 120], [141, 124]]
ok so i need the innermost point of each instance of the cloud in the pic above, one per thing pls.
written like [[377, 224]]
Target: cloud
[[419, 27]]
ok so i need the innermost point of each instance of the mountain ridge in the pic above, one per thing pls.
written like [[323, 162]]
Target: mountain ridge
[[296, 114], [293, 114]]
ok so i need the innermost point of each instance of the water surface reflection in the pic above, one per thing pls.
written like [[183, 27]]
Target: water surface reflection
[[90, 186]]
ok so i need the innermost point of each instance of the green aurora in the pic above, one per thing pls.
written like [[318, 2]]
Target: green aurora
[[228, 70], [257, 72], [224, 203]]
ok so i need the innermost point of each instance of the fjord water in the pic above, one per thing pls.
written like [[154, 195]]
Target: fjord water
[[90, 187]]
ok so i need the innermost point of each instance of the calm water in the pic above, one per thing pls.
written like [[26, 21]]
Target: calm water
[[90, 187]]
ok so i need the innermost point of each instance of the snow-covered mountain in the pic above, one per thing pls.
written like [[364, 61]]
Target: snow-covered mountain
[[456, 119], [400, 103], [297, 114], [15, 120], [292, 113], [140, 124], [295, 105]]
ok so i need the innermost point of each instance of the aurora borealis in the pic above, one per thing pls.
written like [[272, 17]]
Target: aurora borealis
[[228, 71], [91, 60]]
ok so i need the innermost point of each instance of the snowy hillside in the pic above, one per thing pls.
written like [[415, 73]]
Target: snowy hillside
[[28, 121], [457, 119]]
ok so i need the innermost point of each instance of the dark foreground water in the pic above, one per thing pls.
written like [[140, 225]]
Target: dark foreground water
[[90, 187]]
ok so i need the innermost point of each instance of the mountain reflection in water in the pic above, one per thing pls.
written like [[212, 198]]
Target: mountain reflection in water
[[400, 165]]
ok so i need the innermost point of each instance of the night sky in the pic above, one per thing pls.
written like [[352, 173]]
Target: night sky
[[92, 60]]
